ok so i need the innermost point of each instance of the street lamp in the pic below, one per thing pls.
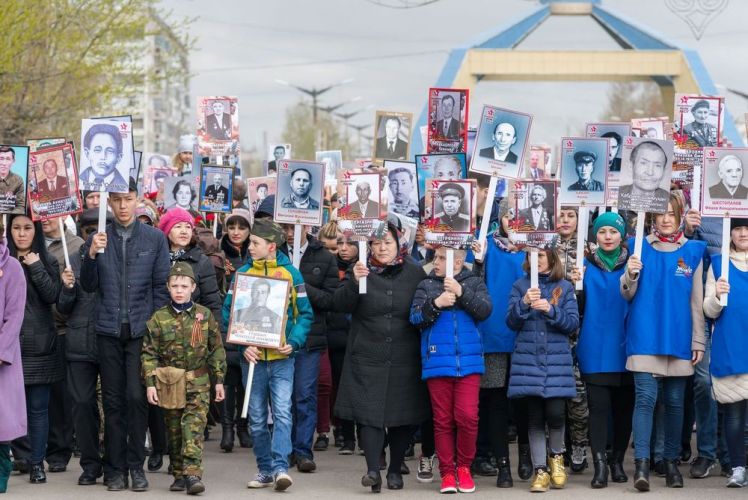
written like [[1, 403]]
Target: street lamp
[[360, 129], [314, 93]]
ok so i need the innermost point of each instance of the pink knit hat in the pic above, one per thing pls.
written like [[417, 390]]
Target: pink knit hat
[[173, 217]]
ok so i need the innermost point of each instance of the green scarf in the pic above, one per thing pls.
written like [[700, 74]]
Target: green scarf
[[609, 258]]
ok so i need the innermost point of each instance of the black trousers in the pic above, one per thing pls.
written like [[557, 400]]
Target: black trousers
[[157, 429], [60, 437], [336, 365], [125, 406], [493, 423], [373, 439], [231, 411], [603, 400], [82, 378]]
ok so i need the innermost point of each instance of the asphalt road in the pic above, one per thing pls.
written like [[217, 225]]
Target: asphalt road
[[338, 477]]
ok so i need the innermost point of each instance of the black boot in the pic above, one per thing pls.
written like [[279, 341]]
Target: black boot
[[504, 478], [600, 478], [673, 478], [641, 474], [227, 438], [524, 468], [36, 474], [617, 474], [242, 432]]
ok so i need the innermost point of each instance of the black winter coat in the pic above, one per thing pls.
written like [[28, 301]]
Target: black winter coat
[[339, 323], [320, 272], [206, 292], [147, 270], [79, 306], [233, 261], [42, 363], [381, 381]]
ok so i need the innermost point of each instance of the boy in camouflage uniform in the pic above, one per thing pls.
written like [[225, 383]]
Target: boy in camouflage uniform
[[185, 335]]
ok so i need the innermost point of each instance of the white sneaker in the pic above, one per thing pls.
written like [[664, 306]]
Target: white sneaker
[[425, 469], [282, 481], [738, 478], [261, 481]]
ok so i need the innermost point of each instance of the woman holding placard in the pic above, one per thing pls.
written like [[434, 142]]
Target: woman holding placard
[[381, 386], [541, 368], [601, 348], [729, 357], [663, 343]]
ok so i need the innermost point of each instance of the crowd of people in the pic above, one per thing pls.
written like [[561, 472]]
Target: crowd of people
[[121, 357]]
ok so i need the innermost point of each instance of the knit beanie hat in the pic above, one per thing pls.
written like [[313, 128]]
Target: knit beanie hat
[[241, 213], [173, 217], [611, 219], [736, 223]]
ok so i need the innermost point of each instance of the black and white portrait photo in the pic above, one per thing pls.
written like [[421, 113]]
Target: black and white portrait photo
[[258, 311], [180, 192], [403, 186], [645, 175], [614, 132], [362, 197], [392, 138], [725, 188], [536, 211], [300, 187], [452, 206], [501, 141], [583, 171], [333, 162], [107, 155], [698, 120], [448, 115], [276, 153]]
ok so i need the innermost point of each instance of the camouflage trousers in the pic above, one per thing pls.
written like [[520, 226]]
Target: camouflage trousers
[[577, 411], [184, 431]]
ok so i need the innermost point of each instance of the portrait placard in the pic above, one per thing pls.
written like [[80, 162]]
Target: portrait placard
[[402, 183], [646, 168], [333, 162], [500, 142], [300, 190], [218, 126], [157, 168], [650, 128], [538, 163], [442, 167], [698, 121], [14, 166], [614, 132], [533, 214], [107, 155], [362, 209], [37, 144], [454, 207], [448, 120], [181, 192], [276, 153], [135, 172], [216, 188], [583, 170], [725, 189], [392, 131], [684, 161], [258, 311], [53, 183], [259, 188]]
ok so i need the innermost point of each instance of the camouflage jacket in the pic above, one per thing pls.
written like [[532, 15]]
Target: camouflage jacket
[[167, 343]]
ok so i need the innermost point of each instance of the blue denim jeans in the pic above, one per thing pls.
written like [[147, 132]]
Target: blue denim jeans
[[646, 397], [306, 374], [272, 384], [37, 414], [734, 431]]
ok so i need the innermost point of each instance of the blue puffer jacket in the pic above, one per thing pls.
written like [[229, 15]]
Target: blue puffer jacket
[[501, 268], [541, 363], [147, 269], [450, 341]]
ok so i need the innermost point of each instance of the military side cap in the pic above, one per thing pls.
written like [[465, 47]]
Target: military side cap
[[451, 189], [584, 157], [701, 103], [182, 269], [268, 230]]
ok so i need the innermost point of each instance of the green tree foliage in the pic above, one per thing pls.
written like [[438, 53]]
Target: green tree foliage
[[306, 138], [64, 60]]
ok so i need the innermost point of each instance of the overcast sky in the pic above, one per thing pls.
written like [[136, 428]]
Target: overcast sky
[[394, 56]]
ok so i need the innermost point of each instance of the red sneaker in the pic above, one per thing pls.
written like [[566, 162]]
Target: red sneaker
[[465, 480], [449, 484]]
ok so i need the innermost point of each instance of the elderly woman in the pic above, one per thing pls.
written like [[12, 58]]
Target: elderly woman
[[665, 292], [13, 409], [381, 385]]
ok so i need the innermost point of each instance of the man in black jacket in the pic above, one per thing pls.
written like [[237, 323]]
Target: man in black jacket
[[129, 279], [320, 272]]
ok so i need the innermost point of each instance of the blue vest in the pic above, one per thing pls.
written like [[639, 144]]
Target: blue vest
[[659, 320], [502, 269], [730, 339], [602, 341]]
